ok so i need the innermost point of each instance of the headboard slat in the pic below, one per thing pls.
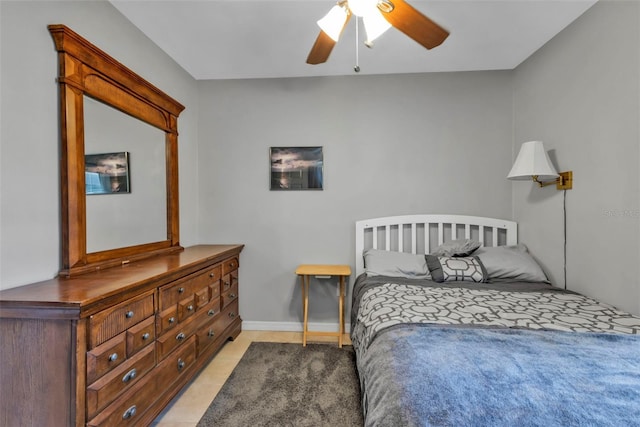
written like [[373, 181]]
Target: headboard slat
[[387, 237], [414, 238], [375, 237]]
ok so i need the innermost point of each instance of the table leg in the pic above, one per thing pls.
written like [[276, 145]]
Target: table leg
[[305, 309], [341, 312]]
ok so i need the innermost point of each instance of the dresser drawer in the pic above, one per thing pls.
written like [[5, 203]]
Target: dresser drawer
[[214, 285], [140, 336], [212, 309], [106, 357], [170, 340], [167, 319], [229, 314], [193, 284], [171, 294], [202, 297], [127, 409], [110, 386], [209, 332], [229, 296], [215, 289], [207, 277], [176, 364], [108, 323], [186, 307], [229, 265], [228, 280]]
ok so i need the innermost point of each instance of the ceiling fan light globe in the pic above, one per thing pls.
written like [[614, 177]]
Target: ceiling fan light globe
[[333, 22], [375, 25], [363, 7]]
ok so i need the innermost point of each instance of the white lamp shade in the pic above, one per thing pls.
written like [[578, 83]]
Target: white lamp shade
[[532, 160], [375, 25], [333, 22]]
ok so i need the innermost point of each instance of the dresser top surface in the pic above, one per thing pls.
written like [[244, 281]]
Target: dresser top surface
[[87, 289]]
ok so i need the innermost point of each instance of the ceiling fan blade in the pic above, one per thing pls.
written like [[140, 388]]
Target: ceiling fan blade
[[321, 49], [414, 24], [324, 45]]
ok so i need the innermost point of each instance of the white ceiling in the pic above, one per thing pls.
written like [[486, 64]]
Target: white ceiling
[[237, 39]]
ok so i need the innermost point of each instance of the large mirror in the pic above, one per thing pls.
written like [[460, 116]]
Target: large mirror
[[107, 114], [128, 206]]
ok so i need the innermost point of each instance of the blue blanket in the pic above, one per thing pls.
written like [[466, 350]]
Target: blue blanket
[[452, 376]]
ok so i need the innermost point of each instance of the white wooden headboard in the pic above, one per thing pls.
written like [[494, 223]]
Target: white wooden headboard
[[420, 233]]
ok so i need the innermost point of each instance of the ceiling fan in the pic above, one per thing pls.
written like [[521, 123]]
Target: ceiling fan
[[377, 16]]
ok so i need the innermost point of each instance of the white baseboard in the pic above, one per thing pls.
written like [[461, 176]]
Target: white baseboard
[[291, 326]]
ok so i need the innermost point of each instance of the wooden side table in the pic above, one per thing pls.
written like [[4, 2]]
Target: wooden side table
[[305, 271]]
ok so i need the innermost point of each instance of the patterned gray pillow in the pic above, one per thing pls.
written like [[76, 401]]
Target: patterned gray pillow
[[456, 269], [461, 247]]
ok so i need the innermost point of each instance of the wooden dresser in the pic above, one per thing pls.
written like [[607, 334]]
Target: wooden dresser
[[113, 347]]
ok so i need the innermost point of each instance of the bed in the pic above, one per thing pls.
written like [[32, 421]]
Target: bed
[[473, 334]]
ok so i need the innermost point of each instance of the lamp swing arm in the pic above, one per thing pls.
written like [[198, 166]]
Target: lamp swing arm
[[563, 182]]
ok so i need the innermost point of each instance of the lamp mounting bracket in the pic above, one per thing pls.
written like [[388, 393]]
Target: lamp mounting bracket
[[565, 181]]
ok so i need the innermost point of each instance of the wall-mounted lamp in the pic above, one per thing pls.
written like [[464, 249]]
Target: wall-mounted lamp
[[533, 163]]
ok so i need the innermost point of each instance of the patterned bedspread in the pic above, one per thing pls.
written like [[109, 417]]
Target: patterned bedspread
[[390, 303], [398, 330]]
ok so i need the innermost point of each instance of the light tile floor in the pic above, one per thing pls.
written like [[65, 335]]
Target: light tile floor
[[187, 407]]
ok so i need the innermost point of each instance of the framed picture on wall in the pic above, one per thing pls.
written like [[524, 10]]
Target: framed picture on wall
[[296, 168], [107, 173]]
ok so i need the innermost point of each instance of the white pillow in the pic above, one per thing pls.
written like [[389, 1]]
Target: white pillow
[[396, 264], [510, 262]]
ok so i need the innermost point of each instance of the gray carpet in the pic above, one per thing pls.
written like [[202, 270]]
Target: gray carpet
[[278, 384]]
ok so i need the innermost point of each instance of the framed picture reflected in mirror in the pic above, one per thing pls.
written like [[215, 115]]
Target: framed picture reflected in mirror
[[107, 173]]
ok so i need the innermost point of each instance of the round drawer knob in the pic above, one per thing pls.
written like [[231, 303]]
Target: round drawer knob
[[172, 320], [212, 275], [180, 290], [129, 413], [190, 308], [232, 315], [113, 357], [232, 296], [129, 375], [211, 333], [129, 314], [180, 364], [180, 336], [211, 312], [145, 336]]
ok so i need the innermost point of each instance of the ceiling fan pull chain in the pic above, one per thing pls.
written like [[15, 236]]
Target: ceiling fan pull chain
[[357, 67]]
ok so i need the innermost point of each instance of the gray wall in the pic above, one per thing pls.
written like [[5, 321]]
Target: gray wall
[[29, 131], [580, 94], [393, 145], [439, 143]]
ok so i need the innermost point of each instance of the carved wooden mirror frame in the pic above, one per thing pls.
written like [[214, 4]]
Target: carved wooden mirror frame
[[84, 69]]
